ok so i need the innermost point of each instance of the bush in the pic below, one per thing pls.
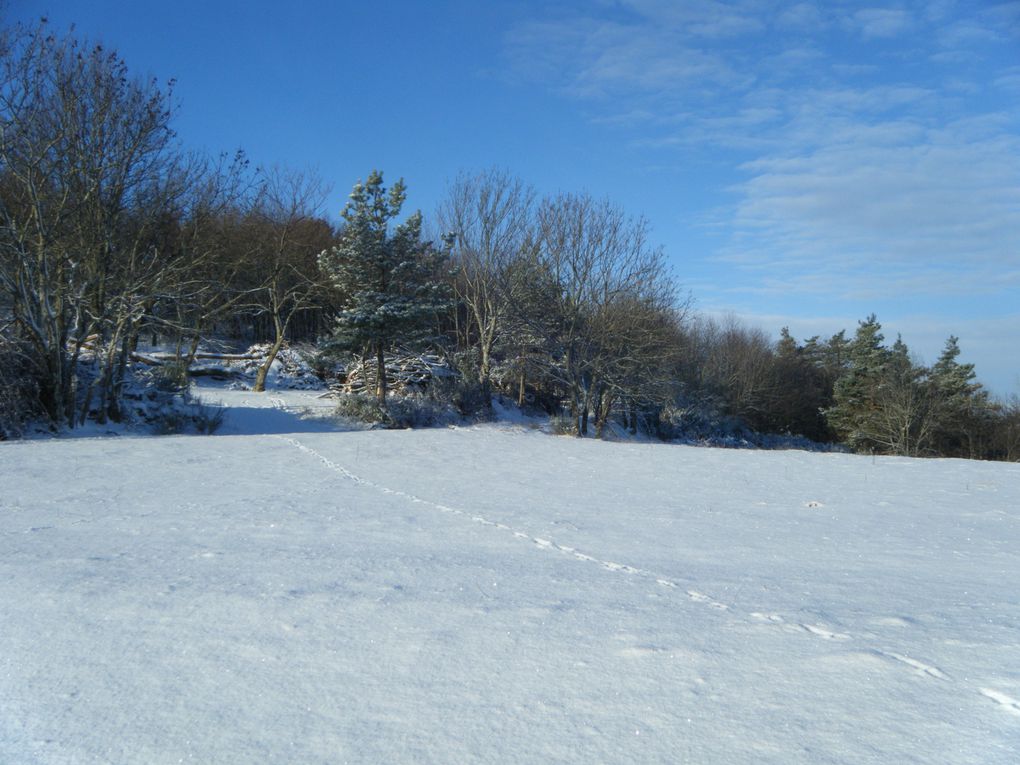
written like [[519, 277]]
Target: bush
[[399, 413], [563, 425], [471, 399], [361, 408], [19, 390], [463, 394], [208, 419], [168, 422], [170, 378], [183, 415], [415, 412]]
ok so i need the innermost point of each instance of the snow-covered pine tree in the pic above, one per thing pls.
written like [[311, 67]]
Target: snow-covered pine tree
[[854, 394], [390, 284], [962, 403]]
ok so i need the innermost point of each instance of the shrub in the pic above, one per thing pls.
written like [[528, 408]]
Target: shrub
[[19, 390], [360, 407], [414, 412], [400, 412], [463, 394], [170, 378], [207, 418], [563, 425], [181, 415], [168, 422]]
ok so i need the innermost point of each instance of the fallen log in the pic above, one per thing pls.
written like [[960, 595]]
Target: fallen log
[[209, 356], [215, 372]]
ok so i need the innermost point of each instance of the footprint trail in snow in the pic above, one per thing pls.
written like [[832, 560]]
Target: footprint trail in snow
[[922, 669]]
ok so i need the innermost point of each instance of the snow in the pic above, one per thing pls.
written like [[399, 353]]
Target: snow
[[288, 591]]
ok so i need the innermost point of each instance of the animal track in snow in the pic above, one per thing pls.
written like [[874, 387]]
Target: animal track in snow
[[921, 667], [824, 633], [545, 544], [813, 629], [540, 542], [699, 597], [1008, 703]]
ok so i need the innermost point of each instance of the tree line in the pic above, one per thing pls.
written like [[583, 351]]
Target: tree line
[[112, 234]]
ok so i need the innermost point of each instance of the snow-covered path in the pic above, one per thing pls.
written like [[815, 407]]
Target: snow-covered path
[[494, 594]]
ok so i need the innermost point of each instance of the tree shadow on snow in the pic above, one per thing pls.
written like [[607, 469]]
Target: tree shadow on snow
[[264, 421]]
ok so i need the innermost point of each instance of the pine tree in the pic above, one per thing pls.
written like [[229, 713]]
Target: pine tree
[[802, 389], [390, 284], [854, 394], [962, 403], [883, 401]]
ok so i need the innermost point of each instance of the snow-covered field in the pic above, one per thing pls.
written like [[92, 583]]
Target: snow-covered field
[[286, 593]]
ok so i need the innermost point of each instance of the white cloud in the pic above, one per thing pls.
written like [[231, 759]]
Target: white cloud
[[874, 194], [881, 22], [708, 19], [802, 17], [864, 171], [1009, 80], [587, 58]]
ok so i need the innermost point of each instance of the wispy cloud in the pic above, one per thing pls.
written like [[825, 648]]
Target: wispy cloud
[[802, 17], [855, 159], [880, 22], [886, 195]]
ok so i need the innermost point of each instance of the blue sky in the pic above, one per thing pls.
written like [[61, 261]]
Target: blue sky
[[803, 164]]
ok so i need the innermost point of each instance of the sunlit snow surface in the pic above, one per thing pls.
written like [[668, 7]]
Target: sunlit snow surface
[[284, 593]]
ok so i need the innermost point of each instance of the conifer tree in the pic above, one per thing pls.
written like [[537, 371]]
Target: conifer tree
[[854, 394], [390, 284], [802, 389], [883, 401], [962, 403]]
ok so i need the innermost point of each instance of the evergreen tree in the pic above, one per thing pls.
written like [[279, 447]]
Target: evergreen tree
[[390, 284], [956, 381], [962, 404], [802, 389], [883, 401], [787, 346], [854, 394]]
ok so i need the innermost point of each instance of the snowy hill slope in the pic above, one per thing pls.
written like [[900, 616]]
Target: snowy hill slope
[[494, 594]]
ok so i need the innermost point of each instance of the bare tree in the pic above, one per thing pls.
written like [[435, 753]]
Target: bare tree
[[89, 178], [211, 274], [601, 262], [289, 235], [741, 367], [490, 216]]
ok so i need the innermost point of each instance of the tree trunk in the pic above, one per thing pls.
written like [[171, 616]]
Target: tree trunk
[[484, 363], [274, 349], [380, 385], [485, 368], [603, 408], [263, 371]]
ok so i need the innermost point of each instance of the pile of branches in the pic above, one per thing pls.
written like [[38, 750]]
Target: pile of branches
[[406, 372]]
